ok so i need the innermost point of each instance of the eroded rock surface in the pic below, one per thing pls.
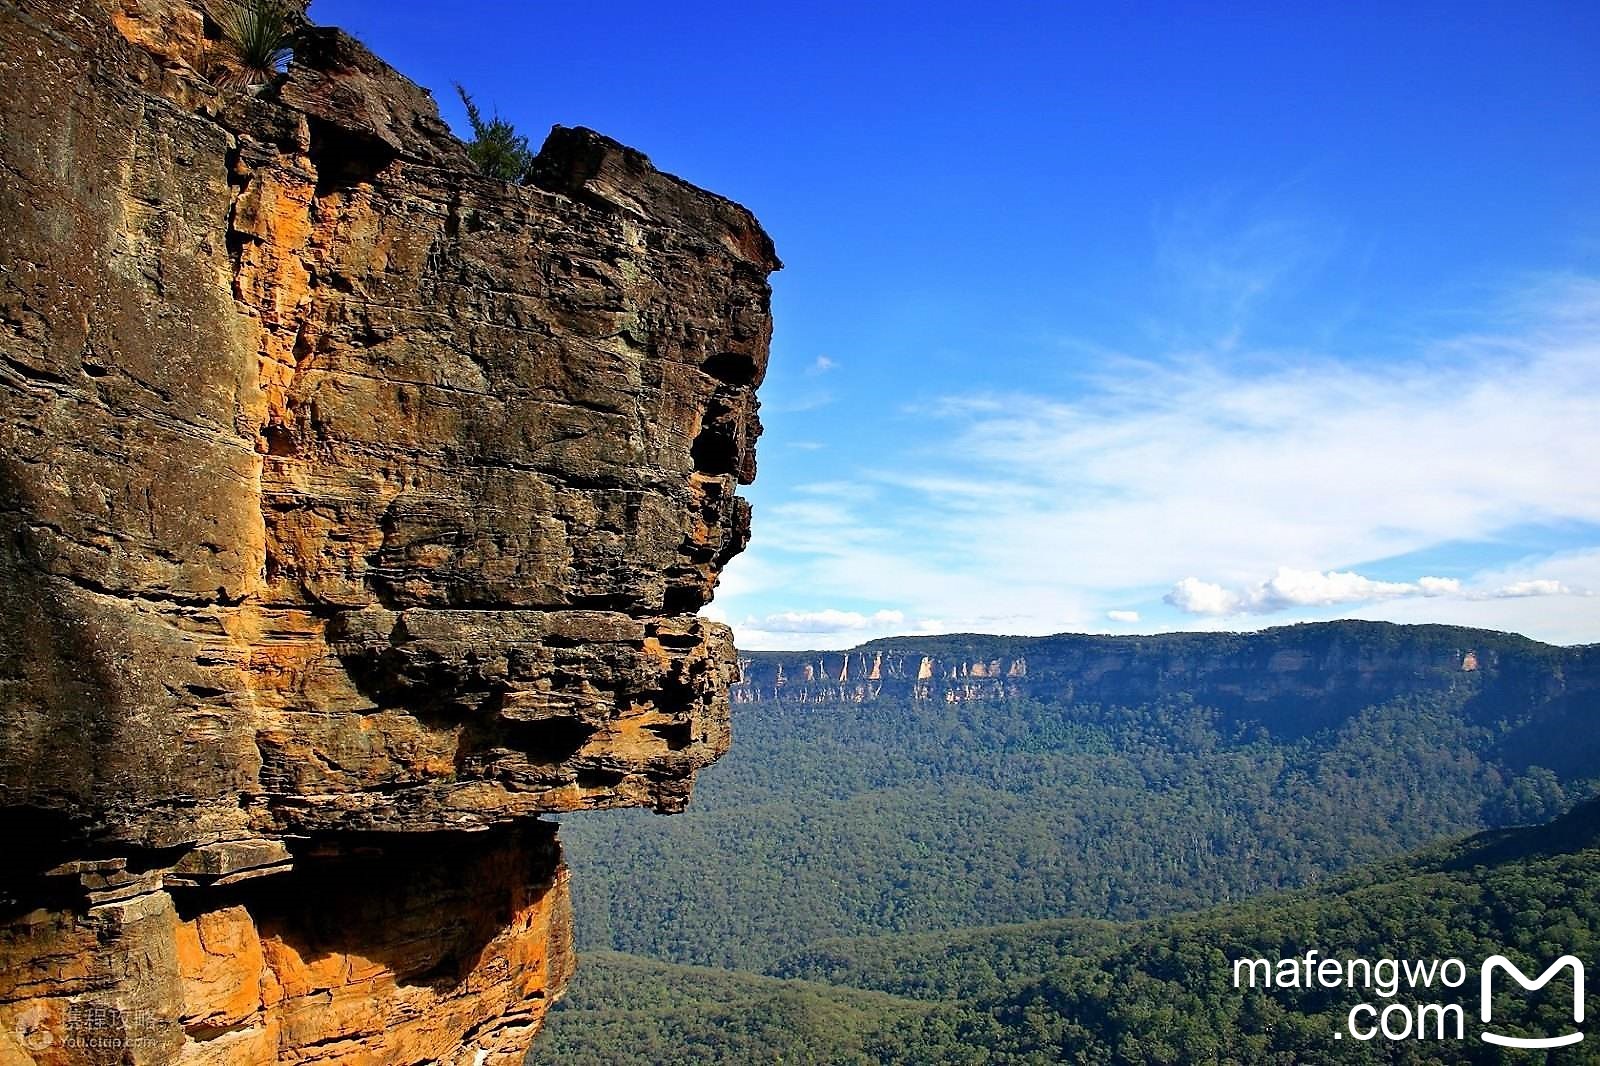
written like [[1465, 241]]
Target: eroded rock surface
[[356, 511]]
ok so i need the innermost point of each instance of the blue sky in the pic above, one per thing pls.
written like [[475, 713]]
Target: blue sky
[[1125, 318]]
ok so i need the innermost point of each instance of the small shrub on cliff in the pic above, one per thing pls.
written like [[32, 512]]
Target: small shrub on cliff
[[257, 39], [496, 146]]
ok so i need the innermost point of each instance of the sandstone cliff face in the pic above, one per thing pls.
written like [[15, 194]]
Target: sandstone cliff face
[[357, 510], [1291, 680]]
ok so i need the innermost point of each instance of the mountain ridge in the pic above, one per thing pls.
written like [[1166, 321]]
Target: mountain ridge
[[1085, 784], [1293, 679]]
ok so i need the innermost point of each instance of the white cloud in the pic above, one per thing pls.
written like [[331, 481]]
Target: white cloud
[[1569, 618], [1308, 588], [1031, 513], [820, 365], [1535, 587], [827, 628], [827, 621], [837, 490], [1296, 588], [1194, 596], [1123, 616], [1290, 588]]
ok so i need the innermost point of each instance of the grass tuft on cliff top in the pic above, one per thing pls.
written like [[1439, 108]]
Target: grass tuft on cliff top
[[257, 40]]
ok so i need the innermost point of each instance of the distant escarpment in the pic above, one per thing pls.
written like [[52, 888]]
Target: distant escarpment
[[357, 510], [1290, 679]]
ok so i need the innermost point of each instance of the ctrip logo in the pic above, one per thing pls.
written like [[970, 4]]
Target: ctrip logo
[[1486, 994], [33, 1031]]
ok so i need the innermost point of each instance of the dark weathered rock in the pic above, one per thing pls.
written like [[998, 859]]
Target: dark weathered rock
[[346, 493]]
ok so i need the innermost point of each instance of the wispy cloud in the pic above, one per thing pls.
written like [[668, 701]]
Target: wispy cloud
[[807, 392], [1570, 614], [1123, 616], [827, 621], [1028, 512], [1539, 587], [1299, 588], [1290, 588], [1223, 255], [829, 627]]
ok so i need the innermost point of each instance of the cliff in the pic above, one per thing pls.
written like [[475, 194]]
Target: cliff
[[1291, 680], [356, 511]]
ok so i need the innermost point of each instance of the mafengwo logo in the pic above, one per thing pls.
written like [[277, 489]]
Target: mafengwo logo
[[1397, 1018], [1500, 964]]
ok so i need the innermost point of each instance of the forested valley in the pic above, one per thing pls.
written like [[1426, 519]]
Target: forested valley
[[1036, 878]]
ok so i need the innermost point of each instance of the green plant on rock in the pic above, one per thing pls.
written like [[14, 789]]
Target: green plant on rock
[[497, 149], [257, 40]]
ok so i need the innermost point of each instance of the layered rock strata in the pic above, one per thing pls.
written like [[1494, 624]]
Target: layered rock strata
[[356, 511], [1288, 679]]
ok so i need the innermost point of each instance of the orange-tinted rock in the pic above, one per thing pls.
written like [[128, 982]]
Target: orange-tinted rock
[[397, 948], [349, 498], [220, 964]]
